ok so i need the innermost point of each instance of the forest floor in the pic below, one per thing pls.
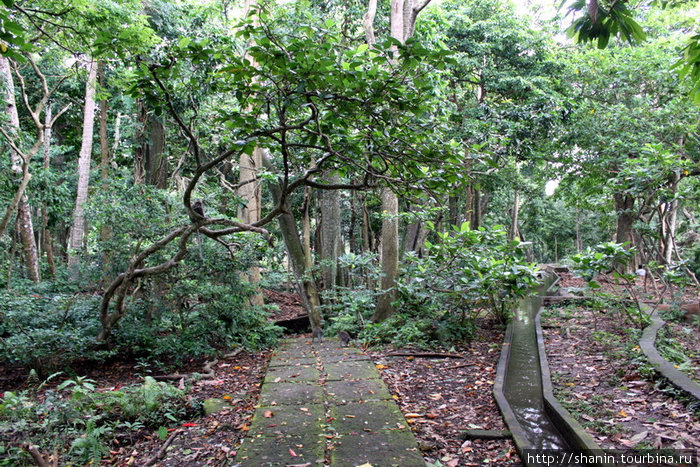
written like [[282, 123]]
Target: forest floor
[[596, 370], [601, 375]]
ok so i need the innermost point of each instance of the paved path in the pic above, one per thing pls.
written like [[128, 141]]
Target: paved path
[[324, 401]]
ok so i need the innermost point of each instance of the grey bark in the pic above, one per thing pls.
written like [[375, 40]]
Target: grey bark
[[249, 191], [48, 240], [295, 251], [330, 232], [77, 235], [20, 166], [403, 20]]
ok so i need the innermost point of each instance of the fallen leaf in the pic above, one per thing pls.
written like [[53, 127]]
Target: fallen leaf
[[268, 414], [380, 366], [636, 439], [291, 451]]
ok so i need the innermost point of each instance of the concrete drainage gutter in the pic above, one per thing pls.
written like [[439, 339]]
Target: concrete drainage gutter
[[552, 427], [661, 365]]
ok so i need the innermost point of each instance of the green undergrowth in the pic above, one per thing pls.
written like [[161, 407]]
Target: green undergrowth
[[675, 352], [46, 330], [80, 422]]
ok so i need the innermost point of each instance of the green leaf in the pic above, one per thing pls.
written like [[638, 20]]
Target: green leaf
[[162, 433]]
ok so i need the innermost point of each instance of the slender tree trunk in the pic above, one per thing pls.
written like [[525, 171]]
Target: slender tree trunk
[[105, 160], [295, 251], [249, 165], [48, 240], [514, 232], [330, 230], [77, 234], [250, 192], [452, 209], [306, 230], [669, 223], [389, 257], [353, 221], [20, 167], [579, 243]]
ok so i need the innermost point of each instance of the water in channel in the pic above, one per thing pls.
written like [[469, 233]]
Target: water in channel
[[523, 383]]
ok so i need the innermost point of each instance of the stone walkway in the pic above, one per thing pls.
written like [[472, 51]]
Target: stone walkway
[[327, 404]]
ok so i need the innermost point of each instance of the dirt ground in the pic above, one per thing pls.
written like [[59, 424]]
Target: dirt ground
[[602, 377]]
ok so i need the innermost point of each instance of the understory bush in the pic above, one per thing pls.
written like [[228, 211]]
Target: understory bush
[[46, 332], [195, 311], [465, 271], [79, 422]]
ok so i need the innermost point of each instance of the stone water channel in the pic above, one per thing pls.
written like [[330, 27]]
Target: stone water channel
[[523, 390]]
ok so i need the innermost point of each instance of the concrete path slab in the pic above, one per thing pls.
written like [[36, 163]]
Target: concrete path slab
[[323, 404]]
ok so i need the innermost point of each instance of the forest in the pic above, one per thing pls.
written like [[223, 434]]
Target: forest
[[184, 184]]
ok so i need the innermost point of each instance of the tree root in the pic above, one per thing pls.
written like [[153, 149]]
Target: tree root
[[161, 452], [48, 460], [425, 355], [207, 373]]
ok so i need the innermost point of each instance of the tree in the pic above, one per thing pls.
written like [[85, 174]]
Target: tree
[[634, 137], [20, 166], [305, 96], [599, 20], [75, 243], [402, 25]]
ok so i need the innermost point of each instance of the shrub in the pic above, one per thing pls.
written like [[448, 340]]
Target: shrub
[[465, 270], [77, 420], [45, 332]]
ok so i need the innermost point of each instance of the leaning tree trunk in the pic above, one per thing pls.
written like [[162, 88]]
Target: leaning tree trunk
[[20, 167], [295, 251], [77, 235]]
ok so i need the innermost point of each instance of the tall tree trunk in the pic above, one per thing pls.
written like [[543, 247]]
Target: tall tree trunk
[[353, 221], [402, 24], [330, 230], [150, 163], [669, 222], [77, 234], [249, 191], [389, 256], [452, 210], [624, 229], [295, 251], [48, 240], [20, 167], [514, 231], [105, 159]]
